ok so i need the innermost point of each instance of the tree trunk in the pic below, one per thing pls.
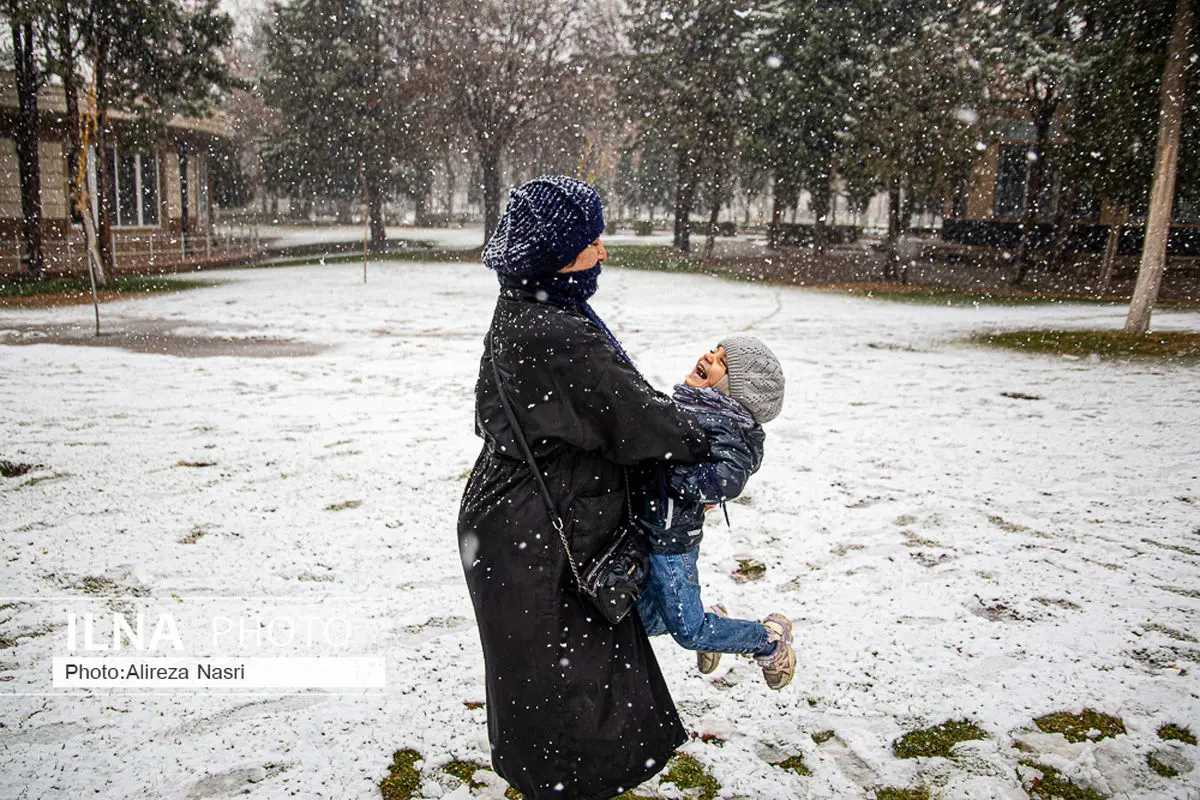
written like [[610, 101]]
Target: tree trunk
[[1162, 191], [66, 73], [778, 199], [1033, 190], [421, 208], [421, 200], [489, 158], [892, 257], [907, 206], [450, 180], [374, 199], [685, 193], [77, 189], [1107, 265], [33, 261], [104, 241], [184, 198], [821, 196], [714, 212], [1064, 224]]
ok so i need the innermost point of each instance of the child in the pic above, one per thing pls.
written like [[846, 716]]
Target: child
[[733, 390]]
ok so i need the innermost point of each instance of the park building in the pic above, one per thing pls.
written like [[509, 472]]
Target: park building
[[159, 191], [990, 207]]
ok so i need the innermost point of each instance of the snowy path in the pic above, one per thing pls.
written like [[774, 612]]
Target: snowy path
[[944, 551]]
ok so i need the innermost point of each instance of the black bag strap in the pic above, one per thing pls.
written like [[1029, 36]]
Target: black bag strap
[[555, 519]]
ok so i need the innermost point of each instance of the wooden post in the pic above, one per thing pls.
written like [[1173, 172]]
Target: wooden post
[[1162, 190]]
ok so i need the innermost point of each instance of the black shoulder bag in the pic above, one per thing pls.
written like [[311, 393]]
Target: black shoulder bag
[[617, 575]]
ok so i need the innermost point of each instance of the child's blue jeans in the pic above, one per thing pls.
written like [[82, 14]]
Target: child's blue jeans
[[671, 604]]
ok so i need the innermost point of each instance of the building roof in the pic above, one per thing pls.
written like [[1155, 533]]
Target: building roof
[[52, 100]]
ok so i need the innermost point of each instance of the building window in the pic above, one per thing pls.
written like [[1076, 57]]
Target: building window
[[132, 188], [1012, 184], [1012, 177], [1185, 212]]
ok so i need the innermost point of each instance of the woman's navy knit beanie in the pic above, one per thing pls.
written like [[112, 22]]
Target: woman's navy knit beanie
[[548, 221]]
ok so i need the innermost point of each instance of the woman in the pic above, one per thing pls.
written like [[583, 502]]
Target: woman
[[577, 708]]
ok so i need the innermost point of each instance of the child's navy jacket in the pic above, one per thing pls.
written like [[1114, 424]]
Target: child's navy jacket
[[672, 502]]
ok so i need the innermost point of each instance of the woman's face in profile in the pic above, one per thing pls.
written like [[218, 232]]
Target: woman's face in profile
[[592, 255], [709, 370]]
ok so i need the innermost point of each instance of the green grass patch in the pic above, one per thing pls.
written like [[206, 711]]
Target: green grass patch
[[407, 254], [1176, 733], [795, 764], [1077, 727], [748, 569], [931, 295], [688, 773], [403, 778], [121, 284], [1105, 344], [650, 257], [821, 737], [938, 740], [1053, 786], [465, 772], [896, 793], [1159, 767]]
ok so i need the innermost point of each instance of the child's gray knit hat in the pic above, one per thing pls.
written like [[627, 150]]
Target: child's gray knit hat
[[755, 377]]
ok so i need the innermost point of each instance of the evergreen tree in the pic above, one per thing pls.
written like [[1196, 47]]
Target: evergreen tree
[[342, 82], [155, 58], [808, 75], [685, 75], [918, 122], [1036, 56]]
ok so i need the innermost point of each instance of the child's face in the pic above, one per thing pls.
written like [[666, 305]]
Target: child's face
[[709, 370]]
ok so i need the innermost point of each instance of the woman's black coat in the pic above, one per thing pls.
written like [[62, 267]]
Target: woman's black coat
[[577, 708]]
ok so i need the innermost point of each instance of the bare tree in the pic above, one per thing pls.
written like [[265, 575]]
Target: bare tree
[[507, 67]]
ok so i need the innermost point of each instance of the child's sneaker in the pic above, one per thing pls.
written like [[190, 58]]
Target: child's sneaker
[[708, 662], [780, 665]]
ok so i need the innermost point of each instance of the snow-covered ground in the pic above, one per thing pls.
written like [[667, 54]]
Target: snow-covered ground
[[944, 550]]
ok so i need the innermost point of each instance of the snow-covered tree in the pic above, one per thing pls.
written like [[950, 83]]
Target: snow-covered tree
[[809, 72], [342, 78], [506, 68], [685, 75], [917, 125], [1036, 54]]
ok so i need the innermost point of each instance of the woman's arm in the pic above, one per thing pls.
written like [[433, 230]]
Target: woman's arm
[[569, 384]]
